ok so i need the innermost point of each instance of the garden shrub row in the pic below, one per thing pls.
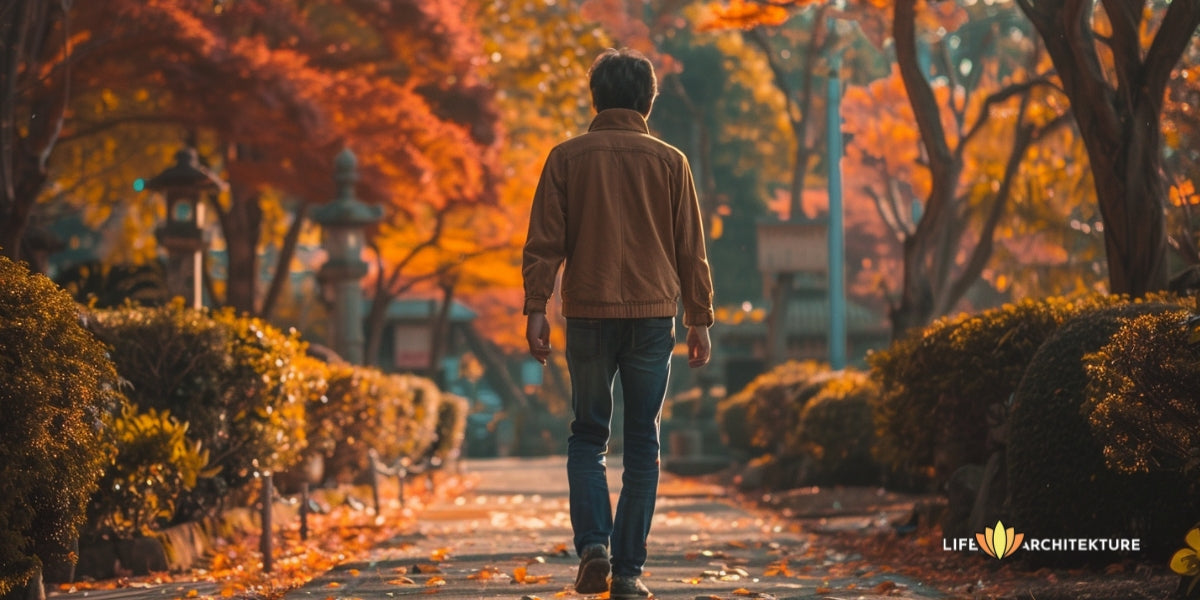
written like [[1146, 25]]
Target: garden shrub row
[[1091, 405], [122, 422], [803, 425]]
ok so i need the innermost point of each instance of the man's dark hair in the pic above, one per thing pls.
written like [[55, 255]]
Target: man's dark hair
[[622, 79]]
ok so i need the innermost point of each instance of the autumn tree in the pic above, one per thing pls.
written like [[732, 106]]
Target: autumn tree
[[269, 91], [940, 262], [1115, 75], [34, 73]]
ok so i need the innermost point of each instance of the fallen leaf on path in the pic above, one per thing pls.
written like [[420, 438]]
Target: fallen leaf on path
[[521, 575], [485, 574], [426, 569], [353, 572], [434, 582], [440, 555], [884, 586], [778, 568], [402, 581]]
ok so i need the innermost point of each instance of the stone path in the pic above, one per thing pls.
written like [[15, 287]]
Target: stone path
[[509, 537]]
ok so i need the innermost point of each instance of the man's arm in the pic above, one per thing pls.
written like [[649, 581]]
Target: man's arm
[[545, 249], [691, 263], [691, 258]]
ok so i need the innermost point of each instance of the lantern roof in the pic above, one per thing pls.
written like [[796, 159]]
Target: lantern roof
[[186, 173]]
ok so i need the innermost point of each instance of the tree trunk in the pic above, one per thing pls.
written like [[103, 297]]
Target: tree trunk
[[922, 259], [375, 318], [283, 270], [440, 329], [242, 226], [14, 218], [1120, 124]]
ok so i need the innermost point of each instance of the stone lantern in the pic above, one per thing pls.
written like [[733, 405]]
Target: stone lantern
[[343, 222], [184, 186]]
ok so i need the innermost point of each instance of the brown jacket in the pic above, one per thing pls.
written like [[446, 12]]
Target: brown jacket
[[620, 207]]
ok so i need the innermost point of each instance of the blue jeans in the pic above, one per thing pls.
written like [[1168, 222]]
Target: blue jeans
[[597, 349]]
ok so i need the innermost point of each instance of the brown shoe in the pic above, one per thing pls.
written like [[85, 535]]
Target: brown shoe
[[629, 588], [593, 570]]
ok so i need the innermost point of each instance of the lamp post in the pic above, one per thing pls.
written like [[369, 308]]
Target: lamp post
[[343, 221], [837, 245], [184, 186]]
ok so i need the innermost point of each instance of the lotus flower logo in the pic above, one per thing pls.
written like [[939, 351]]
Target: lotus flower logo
[[999, 542]]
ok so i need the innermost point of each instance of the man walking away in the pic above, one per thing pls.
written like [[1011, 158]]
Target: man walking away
[[620, 207]]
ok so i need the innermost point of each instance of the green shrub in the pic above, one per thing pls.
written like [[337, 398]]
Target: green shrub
[[233, 380], [1058, 482], [58, 389], [938, 385], [416, 419], [836, 433], [364, 409], [757, 419], [451, 426], [155, 464], [1143, 399]]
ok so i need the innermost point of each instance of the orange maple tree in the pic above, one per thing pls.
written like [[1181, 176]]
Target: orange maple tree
[[934, 130]]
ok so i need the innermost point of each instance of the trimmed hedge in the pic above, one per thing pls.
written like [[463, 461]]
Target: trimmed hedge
[[937, 386], [1143, 398], [1059, 484], [801, 424], [836, 433], [234, 380], [365, 409], [757, 419], [58, 389]]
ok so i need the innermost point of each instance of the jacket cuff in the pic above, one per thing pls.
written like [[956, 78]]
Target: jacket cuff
[[535, 305], [701, 319]]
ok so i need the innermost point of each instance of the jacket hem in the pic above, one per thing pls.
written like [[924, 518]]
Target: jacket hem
[[620, 311]]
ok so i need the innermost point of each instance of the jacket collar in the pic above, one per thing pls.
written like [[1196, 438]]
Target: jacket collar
[[619, 118]]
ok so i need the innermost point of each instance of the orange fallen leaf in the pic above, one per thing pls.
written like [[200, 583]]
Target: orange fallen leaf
[[333, 584], [426, 569], [402, 581], [440, 555], [192, 593], [824, 590], [884, 587], [434, 582], [742, 592], [779, 568], [353, 572], [484, 574], [521, 575]]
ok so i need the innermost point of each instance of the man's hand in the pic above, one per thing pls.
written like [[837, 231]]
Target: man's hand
[[699, 346], [537, 333]]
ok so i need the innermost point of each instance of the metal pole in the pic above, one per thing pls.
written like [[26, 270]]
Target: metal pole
[[304, 511], [265, 541], [374, 475], [837, 246]]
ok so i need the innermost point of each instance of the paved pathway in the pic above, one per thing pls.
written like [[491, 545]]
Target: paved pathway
[[509, 537]]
